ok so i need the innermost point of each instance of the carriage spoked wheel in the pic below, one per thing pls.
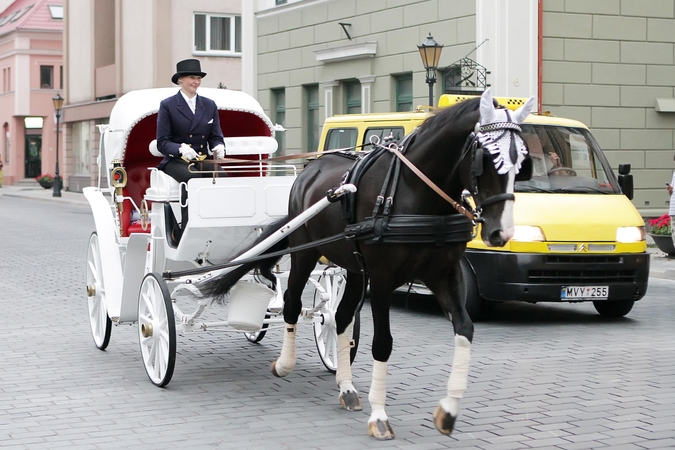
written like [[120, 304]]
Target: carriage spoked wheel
[[156, 329], [100, 323], [325, 329], [258, 336]]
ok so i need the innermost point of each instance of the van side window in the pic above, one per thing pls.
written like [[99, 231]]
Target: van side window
[[341, 138], [393, 133]]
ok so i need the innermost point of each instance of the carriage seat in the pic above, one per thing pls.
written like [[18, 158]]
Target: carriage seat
[[250, 145], [165, 188]]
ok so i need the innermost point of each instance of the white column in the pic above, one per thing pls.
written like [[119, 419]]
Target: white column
[[511, 52], [328, 88], [366, 84], [249, 49]]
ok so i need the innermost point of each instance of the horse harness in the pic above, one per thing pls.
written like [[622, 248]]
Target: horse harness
[[382, 227]]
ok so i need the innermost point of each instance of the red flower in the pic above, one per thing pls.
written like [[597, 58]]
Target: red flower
[[660, 225]]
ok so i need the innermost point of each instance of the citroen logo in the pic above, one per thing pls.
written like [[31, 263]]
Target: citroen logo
[[582, 248]]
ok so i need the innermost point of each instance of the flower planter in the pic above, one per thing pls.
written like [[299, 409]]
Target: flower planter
[[664, 242], [46, 184]]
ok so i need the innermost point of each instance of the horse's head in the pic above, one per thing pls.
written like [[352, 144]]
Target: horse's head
[[497, 157]]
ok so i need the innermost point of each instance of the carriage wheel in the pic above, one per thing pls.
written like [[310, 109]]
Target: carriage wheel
[[157, 329], [325, 331], [258, 336], [100, 323]]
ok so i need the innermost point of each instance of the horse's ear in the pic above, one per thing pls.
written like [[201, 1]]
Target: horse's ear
[[521, 113], [487, 107]]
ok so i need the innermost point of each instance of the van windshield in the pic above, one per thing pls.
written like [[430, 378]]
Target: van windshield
[[566, 159]]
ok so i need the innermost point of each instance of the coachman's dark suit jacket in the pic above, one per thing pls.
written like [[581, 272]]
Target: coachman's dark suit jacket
[[177, 125]]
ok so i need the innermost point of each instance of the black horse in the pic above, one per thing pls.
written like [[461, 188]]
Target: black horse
[[397, 229]]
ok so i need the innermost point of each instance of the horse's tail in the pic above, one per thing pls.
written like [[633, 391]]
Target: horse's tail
[[218, 287]]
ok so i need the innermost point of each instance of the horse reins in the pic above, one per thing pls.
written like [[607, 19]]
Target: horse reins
[[458, 206]]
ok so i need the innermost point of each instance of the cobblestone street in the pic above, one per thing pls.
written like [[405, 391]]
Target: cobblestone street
[[542, 376]]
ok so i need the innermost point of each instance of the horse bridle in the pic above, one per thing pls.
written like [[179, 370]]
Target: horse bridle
[[477, 155]]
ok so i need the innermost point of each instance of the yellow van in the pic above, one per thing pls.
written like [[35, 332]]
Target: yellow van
[[578, 236]]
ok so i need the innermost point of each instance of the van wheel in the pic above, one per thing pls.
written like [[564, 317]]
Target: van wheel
[[477, 307], [615, 308]]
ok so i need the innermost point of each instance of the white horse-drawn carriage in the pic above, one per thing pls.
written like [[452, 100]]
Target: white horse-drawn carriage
[[138, 274]]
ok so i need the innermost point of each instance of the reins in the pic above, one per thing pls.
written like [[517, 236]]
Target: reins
[[472, 214], [282, 158], [458, 206]]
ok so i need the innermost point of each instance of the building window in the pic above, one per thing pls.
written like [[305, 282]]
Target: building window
[[56, 11], [5, 132], [46, 77], [6, 79], [404, 95], [279, 99], [60, 77], [313, 127], [280, 2], [81, 148], [217, 34], [353, 97]]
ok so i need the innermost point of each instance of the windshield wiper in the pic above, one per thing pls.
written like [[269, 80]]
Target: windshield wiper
[[583, 190], [527, 188]]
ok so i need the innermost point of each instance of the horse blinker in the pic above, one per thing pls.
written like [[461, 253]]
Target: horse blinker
[[525, 172]]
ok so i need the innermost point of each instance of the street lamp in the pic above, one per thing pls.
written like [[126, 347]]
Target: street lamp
[[430, 51], [58, 104]]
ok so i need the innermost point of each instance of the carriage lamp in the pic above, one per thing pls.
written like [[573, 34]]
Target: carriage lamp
[[58, 104], [430, 51]]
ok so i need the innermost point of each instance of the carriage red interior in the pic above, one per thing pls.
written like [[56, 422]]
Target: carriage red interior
[[138, 159]]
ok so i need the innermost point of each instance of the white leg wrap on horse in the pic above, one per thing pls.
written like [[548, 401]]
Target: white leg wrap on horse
[[344, 368], [459, 375], [378, 391], [286, 362]]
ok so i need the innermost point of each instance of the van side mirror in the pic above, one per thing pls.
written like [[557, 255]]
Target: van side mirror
[[626, 180]]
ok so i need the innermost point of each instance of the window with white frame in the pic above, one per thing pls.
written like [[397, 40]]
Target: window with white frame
[[217, 34]]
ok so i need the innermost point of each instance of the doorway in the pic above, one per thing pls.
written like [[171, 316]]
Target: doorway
[[33, 146]]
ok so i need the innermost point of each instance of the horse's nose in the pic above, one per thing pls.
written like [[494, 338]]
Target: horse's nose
[[498, 238]]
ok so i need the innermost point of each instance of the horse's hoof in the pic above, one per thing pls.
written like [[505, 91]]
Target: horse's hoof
[[274, 369], [381, 430], [444, 421], [350, 401]]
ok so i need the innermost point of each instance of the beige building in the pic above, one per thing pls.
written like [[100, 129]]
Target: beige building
[[607, 63], [114, 46]]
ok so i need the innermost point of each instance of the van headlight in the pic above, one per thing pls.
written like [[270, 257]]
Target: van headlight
[[627, 235], [525, 233]]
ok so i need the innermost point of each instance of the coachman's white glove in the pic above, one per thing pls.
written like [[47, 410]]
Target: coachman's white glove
[[218, 151], [187, 152]]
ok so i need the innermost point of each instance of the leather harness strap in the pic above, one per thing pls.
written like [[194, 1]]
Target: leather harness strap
[[458, 206]]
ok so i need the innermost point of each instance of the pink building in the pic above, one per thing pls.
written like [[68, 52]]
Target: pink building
[[31, 72]]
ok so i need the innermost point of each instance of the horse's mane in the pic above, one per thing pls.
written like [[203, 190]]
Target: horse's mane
[[457, 114]]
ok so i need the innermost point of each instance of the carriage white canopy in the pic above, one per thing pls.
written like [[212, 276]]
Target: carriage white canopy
[[135, 106]]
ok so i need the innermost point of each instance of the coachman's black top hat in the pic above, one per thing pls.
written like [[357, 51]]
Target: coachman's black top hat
[[187, 67]]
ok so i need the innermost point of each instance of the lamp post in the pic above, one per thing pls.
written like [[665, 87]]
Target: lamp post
[[430, 51], [58, 104]]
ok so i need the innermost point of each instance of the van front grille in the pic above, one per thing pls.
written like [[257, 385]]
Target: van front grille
[[584, 270]]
